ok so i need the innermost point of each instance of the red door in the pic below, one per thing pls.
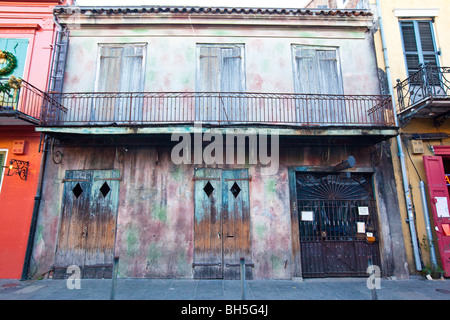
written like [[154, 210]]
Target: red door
[[439, 197]]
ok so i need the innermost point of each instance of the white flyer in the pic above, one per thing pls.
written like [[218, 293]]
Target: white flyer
[[361, 227], [363, 211], [442, 207], [307, 216]]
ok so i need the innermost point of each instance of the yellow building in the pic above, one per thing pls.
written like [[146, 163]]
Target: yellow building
[[412, 41]]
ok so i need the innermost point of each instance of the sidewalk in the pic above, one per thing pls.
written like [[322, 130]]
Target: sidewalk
[[415, 288]]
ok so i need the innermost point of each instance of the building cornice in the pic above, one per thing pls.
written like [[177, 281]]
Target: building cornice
[[138, 15]]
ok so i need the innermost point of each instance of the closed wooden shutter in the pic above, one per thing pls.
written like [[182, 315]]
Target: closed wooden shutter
[[121, 69], [316, 71], [220, 69]]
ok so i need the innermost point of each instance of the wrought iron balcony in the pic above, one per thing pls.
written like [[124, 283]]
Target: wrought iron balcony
[[425, 94], [20, 102], [167, 108]]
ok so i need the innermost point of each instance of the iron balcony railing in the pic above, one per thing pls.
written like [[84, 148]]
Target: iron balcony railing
[[131, 108], [22, 99], [428, 83]]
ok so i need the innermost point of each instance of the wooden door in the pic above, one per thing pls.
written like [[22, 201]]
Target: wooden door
[[221, 224], [208, 225], [236, 223], [88, 223], [440, 204]]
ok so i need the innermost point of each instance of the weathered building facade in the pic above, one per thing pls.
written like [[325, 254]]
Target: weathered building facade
[[187, 138]]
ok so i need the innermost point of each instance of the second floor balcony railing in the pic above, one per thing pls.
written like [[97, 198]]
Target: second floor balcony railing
[[166, 108], [20, 99], [418, 90]]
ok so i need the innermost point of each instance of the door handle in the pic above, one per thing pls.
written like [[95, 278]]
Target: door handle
[[230, 236], [84, 233]]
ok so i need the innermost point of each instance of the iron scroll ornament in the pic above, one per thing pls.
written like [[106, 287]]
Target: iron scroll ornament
[[11, 63]]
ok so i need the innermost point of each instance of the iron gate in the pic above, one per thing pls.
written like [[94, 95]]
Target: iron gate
[[337, 224]]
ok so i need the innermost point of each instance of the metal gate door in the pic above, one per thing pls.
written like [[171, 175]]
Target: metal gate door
[[337, 224], [221, 224]]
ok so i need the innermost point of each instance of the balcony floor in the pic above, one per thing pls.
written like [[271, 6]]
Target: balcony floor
[[427, 108], [375, 134], [16, 118]]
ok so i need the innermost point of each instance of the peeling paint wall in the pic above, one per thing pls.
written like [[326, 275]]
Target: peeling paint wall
[[171, 61], [155, 222]]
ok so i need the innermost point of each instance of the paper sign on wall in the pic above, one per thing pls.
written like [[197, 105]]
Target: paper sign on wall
[[442, 207], [361, 227], [363, 211], [307, 216]]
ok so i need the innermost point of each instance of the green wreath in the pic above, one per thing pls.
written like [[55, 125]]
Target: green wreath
[[11, 63]]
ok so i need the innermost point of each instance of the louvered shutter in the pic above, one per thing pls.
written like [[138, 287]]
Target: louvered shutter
[[220, 69], [419, 46], [317, 72]]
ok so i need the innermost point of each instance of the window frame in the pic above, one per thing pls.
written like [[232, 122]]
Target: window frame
[[2, 170], [122, 45], [295, 47], [420, 53], [241, 46]]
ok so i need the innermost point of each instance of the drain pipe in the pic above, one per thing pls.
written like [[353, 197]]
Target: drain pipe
[[401, 155], [428, 225], [37, 201]]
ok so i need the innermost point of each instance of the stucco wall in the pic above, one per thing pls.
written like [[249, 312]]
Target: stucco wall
[[170, 64], [156, 209]]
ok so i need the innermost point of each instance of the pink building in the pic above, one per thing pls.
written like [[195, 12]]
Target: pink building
[[27, 35]]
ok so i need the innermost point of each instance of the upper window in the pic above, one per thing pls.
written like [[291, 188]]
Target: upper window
[[121, 68], [418, 45], [316, 70], [220, 68]]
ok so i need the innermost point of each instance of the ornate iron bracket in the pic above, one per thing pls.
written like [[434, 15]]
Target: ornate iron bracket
[[17, 167]]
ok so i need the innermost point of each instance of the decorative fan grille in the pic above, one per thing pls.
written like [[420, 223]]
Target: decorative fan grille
[[328, 186]]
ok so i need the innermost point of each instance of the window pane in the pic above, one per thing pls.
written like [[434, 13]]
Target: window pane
[[426, 37], [412, 62], [409, 37]]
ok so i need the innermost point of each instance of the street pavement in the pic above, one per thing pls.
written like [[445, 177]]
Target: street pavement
[[414, 288]]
